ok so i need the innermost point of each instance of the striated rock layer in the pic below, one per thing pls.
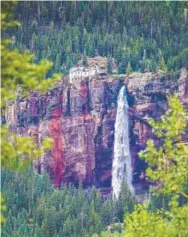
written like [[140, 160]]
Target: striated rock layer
[[80, 120]]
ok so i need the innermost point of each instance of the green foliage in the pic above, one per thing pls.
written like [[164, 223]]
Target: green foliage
[[136, 34], [162, 66], [169, 224], [166, 214], [168, 163], [179, 61], [141, 37], [108, 234], [18, 68], [142, 223], [17, 152], [183, 58], [168, 166], [109, 66], [85, 61], [125, 202], [35, 208], [129, 68], [2, 209]]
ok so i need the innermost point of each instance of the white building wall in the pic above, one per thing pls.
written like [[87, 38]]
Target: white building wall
[[79, 73]]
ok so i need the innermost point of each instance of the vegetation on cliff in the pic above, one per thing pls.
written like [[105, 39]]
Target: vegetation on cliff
[[151, 38], [144, 36]]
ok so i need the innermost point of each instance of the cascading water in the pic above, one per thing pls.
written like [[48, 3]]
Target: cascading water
[[121, 167]]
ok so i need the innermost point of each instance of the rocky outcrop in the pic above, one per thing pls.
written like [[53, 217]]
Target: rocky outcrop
[[80, 120]]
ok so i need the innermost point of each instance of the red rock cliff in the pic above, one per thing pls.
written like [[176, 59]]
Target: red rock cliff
[[80, 120]]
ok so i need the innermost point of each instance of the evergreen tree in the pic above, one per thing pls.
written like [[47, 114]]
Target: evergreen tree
[[109, 66], [125, 203], [85, 61], [18, 68], [168, 167], [48, 228], [78, 30], [162, 66], [129, 69], [65, 212]]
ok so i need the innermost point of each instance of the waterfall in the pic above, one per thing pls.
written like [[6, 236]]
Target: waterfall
[[121, 167]]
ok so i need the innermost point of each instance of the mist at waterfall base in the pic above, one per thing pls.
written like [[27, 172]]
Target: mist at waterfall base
[[121, 167]]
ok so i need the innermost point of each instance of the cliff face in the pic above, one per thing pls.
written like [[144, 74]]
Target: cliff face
[[80, 120]]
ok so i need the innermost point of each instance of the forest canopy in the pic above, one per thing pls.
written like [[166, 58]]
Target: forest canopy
[[146, 36], [141, 37]]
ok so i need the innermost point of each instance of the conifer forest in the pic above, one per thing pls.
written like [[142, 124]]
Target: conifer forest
[[94, 118]]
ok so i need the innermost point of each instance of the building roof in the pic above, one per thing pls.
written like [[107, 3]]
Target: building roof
[[82, 68]]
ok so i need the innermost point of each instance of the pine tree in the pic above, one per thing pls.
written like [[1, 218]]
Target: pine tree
[[109, 66], [129, 69], [85, 61], [18, 68], [168, 166], [58, 63], [125, 203], [162, 66], [48, 228]]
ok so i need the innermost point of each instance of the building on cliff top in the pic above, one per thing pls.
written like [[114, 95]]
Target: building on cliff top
[[77, 74], [96, 68]]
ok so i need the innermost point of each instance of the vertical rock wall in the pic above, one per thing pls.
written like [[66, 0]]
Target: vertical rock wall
[[80, 120]]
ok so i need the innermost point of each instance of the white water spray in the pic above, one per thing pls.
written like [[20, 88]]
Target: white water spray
[[121, 167]]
